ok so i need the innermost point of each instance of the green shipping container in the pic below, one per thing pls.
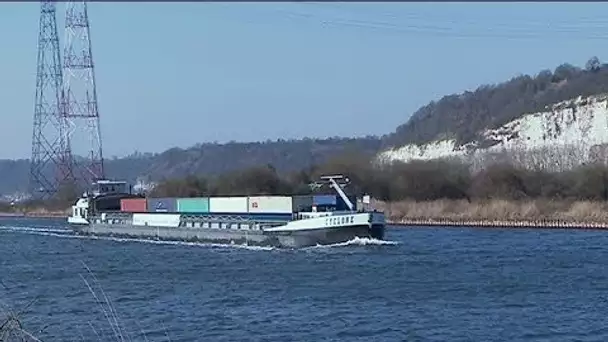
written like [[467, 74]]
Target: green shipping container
[[193, 205]]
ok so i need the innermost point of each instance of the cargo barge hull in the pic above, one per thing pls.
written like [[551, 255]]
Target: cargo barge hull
[[296, 239]]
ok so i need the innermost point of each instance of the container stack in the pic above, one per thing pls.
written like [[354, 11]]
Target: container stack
[[234, 205]]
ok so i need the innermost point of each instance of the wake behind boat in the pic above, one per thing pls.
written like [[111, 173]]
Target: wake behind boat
[[283, 221]]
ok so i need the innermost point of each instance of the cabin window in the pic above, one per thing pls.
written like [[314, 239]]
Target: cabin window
[[75, 211]]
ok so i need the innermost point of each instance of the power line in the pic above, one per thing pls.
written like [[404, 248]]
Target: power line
[[433, 15], [518, 32], [429, 25]]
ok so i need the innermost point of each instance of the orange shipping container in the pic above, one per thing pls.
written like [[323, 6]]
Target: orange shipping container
[[133, 205]]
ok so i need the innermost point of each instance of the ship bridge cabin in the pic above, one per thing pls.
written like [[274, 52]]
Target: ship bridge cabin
[[102, 195]]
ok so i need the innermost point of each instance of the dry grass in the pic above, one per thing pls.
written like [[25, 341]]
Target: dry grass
[[11, 327], [37, 212], [44, 211], [496, 210], [41, 212]]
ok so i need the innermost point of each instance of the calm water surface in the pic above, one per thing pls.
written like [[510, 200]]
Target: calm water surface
[[428, 285]]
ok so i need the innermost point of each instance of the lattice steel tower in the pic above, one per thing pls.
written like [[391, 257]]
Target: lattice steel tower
[[80, 107], [48, 163]]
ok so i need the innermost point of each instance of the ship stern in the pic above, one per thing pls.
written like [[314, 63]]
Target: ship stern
[[377, 225]]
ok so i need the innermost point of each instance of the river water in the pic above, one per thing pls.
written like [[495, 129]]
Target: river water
[[422, 284]]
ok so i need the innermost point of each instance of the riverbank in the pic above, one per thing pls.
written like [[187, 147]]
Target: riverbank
[[498, 213], [523, 224]]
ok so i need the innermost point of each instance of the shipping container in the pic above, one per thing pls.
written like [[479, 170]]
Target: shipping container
[[270, 204], [106, 203], [164, 205], [301, 203], [228, 205], [193, 205], [134, 205], [156, 220], [324, 200]]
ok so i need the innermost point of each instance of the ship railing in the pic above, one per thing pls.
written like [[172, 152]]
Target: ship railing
[[114, 217], [227, 218], [126, 218], [253, 223]]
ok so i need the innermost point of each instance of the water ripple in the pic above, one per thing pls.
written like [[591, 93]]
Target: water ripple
[[420, 284]]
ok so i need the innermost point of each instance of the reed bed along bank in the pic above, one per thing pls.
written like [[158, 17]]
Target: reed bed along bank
[[498, 213]]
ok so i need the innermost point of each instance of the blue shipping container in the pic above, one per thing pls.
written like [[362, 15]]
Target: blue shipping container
[[324, 200], [165, 205]]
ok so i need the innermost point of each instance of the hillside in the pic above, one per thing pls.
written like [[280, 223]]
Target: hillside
[[462, 117], [553, 120], [284, 155]]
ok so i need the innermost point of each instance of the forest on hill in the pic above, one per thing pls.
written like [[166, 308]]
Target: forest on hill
[[463, 116]]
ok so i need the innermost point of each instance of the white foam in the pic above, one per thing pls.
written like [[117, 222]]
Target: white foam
[[35, 229], [357, 241]]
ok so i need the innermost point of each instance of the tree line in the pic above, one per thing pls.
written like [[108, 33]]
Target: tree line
[[208, 158], [417, 180]]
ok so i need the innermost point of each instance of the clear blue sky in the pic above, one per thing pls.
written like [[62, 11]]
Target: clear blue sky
[[175, 74]]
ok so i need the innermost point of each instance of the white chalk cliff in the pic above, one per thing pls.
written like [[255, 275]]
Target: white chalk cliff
[[566, 135]]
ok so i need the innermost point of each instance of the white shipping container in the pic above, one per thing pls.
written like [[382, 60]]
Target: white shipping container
[[228, 204], [157, 220], [270, 204]]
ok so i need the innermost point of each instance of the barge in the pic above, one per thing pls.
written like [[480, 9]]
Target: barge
[[111, 209]]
